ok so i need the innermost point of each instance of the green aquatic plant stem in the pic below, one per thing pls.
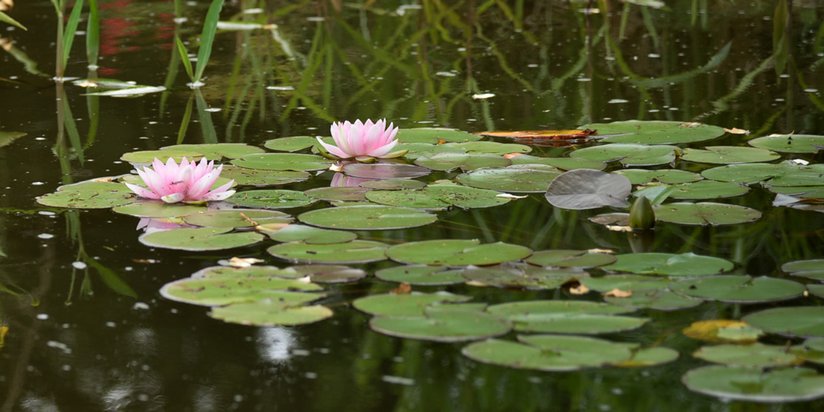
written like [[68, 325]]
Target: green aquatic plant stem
[[93, 34]]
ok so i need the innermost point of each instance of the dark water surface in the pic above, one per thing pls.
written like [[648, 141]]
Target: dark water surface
[[75, 342]]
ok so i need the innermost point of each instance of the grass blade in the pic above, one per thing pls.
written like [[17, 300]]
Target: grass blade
[[93, 34], [184, 58], [71, 30], [5, 18], [207, 38]]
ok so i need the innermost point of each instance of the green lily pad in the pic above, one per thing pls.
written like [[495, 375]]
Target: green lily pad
[[327, 273], [520, 277], [669, 264], [229, 272], [88, 195], [200, 239], [158, 209], [562, 353], [271, 199], [270, 313], [440, 196], [217, 150], [257, 177], [790, 143], [588, 189], [384, 170], [412, 304], [740, 289], [705, 213], [728, 155], [754, 385], [283, 161], [513, 179], [654, 132], [148, 156], [656, 299], [570, 258], [811, 350], [393, 184], [434, 135], [628, 154], [666, 176], [290, 144], [367, 217], [701, 190], [627, 283], [754, 355], [456, 252], [422, 275], [802, 321], [464, 161], [417, 199], [6, 138], [338, 194], [556, 316], [307, 234], [811, 269], [235, 218], [491, 147], [224, 290], [772, 174], [356, 251], [416, 150], [563, 163], [453, 326]]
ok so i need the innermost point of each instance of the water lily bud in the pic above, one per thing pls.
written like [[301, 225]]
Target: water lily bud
[[641, 215]]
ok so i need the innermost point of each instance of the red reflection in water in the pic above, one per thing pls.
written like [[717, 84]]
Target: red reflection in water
[[118, 30]]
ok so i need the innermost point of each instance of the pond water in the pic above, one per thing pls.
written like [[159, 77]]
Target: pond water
[[85, 327]]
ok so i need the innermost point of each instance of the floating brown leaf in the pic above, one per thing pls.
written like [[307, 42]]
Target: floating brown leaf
[[572, 134]]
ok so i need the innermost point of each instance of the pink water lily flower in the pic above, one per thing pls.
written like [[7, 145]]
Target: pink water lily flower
[[184, 182], [362, 140]]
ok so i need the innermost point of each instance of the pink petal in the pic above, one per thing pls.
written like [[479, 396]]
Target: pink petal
[[142, 191], [334, 149], [383, 150], [173, 198]]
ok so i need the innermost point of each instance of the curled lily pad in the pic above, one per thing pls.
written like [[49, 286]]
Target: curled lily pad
[[384, 170], [668, 264], [306, 234], [566, 258], [258, 177], [158, 209], [456, 252], [290, 144], [514, 179], [628, 154], [729, 155], [740, 288], [453, 326], [588, 189], [217, 150], [268, 312], [88, 195], [271, 199], [804, 321], [790, 143], [811, 269], [223, 290], [755, 385], [356, 251], [282, 161], [666, 176], [235, 218], [367, 217], [654, 132], [421, 275], [753, 355], [705, 213], [200, 239], [411, 304]]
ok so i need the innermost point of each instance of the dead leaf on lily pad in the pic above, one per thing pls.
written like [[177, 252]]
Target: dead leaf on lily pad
[[618, 293], [581, 289], [402, 289], [722, 330], [736, 130], [237, 262]]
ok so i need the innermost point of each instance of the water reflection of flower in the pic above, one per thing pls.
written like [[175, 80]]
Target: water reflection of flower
[[151, 225], [342, 180]]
